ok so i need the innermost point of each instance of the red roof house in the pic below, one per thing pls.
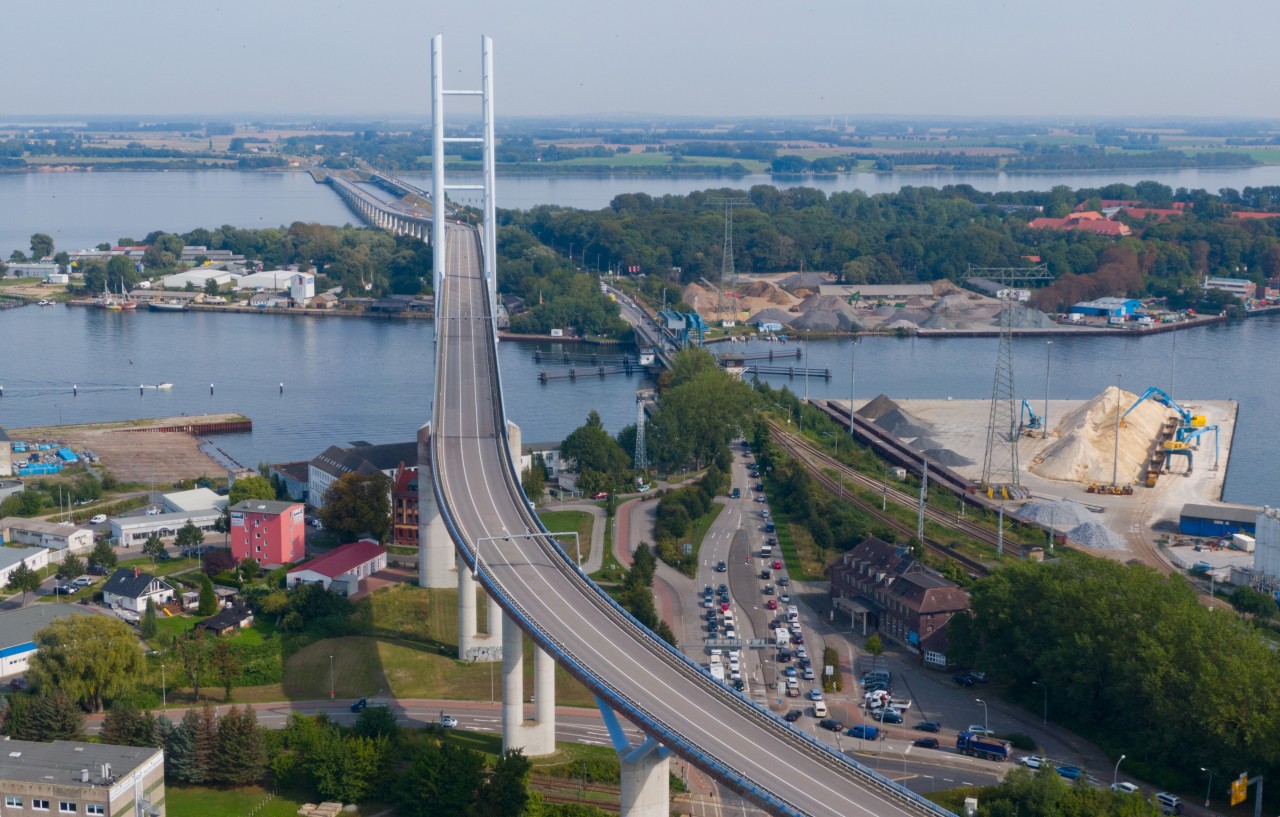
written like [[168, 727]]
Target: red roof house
[[342, 568]]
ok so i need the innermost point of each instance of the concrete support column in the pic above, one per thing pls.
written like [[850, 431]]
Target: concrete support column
[[435, 547], [645, 782], [495, 619], [466, 611], [515, 441], [544, 691], [512, 684]]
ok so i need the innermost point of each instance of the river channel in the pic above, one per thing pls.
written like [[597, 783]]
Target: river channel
[[367, 379]]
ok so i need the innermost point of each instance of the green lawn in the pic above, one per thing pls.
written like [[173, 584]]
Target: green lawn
[[580, 521], [211, 801]]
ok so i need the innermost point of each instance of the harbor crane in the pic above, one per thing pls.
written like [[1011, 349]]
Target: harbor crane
[[1187, 422]]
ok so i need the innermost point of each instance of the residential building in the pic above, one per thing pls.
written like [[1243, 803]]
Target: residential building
[[10, 557], [228, 620], [357, 457], [550, 453], [132, 530], [404, 508], [51, 535], [342, 568], [18, 633], [1089, 222], [1108, 307], [267, 531], [130, 588], [293, 475], [196, 499], [895, 594], [77, 777]]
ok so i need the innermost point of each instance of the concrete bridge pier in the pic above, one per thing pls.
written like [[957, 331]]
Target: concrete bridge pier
[[435, 546], [472, 645], [538, 736], [645, 772]]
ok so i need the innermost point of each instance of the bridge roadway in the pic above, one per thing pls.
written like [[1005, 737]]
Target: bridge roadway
[[642, 678]]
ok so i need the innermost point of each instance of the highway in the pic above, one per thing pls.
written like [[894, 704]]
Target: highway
[[645, 680]]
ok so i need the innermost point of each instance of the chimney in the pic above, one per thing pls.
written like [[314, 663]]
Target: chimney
[[136, 572], [84, 775]]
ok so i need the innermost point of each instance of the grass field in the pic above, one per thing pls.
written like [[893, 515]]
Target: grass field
[[210, 801], [580, 521]]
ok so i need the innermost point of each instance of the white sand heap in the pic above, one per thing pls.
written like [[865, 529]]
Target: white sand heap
[[1085, 448]]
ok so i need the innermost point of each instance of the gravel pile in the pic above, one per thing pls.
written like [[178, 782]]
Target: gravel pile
[[1063, 514], [877, 408], [1093, 535], [1024, 317], [901, 424], [827, 320], [947, 457], [773, 315]]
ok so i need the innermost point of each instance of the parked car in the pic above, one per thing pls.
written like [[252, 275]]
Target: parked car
[[771, 604], [18, 684], [82, 581], [832, 724], [979, 729], [928, 726], [600, 495], [815, 694], [65, 589], [887, 715], [964, 679], [925, 743], [1126, 788], [97, 519], [864, 731]]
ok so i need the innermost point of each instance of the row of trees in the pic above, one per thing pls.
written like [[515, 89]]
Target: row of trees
[[1182, 687], [636, 593], [679, 511]]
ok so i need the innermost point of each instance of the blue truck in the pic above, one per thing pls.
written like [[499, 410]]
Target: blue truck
[[985, 748]]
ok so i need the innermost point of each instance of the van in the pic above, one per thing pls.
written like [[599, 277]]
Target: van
[[766, 551], [820, 709], [1169, 803], [728, 618]]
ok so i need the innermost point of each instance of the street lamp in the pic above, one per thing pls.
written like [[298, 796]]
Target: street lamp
[[164, 690], [1116, 774], [331, 690], [1209, 787], [1045, 690], [985, 725], [786, 409], [853, 381]]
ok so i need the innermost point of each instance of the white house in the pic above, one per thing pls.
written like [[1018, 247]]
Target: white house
[[46, 534], [10, 557], [131, 589], [302, 287], [342, 568]]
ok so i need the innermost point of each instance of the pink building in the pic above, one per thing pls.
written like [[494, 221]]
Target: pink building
[[270, 532]]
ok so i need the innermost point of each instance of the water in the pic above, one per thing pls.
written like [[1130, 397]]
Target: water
[[81, 210], [344, 379], [353, 379]]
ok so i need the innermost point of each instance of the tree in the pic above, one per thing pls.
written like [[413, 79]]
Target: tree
[[121, 273], [226, 665], [248, 570], [217, 560], [149, 623], [192, 652], [180, 750], [44, 718], [534, 478], [87, 657], [601, 462], [254, 487], [189, 536], [41, 246], [506, 792], [71, 566], [442, 779], [24, 580], [357, 504], [208, 598], [239, 757], [103, 556], [153, 547], [874, 646], [211, 286], [124, 725]]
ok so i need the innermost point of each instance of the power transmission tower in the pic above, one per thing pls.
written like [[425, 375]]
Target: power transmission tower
[[728, 275], [1000, 464], [642, 453]]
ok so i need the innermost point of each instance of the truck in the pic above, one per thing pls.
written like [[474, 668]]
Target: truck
[[985, 748], [781, 637], [717, 672]]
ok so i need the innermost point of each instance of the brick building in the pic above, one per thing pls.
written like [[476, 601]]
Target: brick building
[[404, 507], [884, 588], [270, 532]]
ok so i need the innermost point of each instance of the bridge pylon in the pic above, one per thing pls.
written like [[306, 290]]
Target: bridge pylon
[[538, 736], [435, 546], [645, 770]]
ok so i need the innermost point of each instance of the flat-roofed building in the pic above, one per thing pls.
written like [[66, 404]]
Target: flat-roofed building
[[51, 535], [67, 777], [196, 499], [10, 557], [130, 530], [18, 633]]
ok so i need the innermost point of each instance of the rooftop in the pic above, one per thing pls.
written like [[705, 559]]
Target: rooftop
[[10, 556], [269, 506], [1227, 513], [38, 526], [20, 626], [130, 582], [61, 761], [197, 499], [342, 559]]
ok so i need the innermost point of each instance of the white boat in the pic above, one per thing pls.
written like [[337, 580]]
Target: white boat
[[164, 385]]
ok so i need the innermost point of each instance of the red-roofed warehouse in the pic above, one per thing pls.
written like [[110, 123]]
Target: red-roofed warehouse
[[342, 568]]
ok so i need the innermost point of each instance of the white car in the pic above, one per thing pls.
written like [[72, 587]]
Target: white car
[[1032, 761], [1126, 788], [448, 722], [97, 519], [82, 581]]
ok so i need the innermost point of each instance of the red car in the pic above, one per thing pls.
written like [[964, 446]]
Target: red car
[[724, 606], [777, 564], [771, 604], [600, 495]]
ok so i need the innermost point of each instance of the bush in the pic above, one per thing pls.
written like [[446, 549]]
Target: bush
[[1021, 741], [834, 683]]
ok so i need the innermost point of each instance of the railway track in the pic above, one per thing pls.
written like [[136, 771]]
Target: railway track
[[818, 463]]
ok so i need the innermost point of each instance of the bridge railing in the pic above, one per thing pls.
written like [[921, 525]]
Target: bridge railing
[[662, 731]]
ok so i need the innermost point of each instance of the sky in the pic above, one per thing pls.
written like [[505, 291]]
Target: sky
[[340, 58]]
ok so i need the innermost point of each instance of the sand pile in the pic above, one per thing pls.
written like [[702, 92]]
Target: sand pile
[[1062, 514], [944, 287], [1093, 535], [828, 302], [767, 292], [773, 315], [956, 303], [1084, 450]]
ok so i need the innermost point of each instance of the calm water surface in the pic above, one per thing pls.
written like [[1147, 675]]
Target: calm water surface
[[356, 379]]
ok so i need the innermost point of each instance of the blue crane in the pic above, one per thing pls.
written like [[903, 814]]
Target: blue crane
[[1028, 419], [1187, 423]]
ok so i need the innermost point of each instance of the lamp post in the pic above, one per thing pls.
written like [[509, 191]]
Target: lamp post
[[1209, 787], [1115, 775], [1045, 690], [985, 724], [853, 382], [787, 410], [331, 690], [164, 690], [1048, 351]]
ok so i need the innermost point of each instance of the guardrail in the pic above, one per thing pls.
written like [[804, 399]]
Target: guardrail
[[679, 662]]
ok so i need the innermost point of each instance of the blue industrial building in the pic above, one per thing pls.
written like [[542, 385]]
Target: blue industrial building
[[1218, 521], [1108, 307]]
